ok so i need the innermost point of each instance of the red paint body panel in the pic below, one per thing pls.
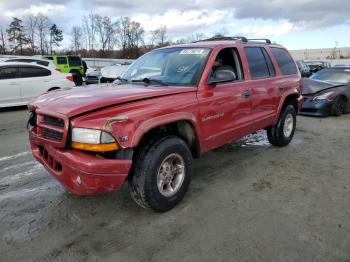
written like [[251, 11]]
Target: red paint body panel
[[217, 114], [97, 175]]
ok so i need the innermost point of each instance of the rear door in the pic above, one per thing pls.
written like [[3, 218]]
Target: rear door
[[34, 81], [263, 84], [9, 86]]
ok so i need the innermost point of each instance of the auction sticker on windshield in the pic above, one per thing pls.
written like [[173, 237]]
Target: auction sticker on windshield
[[193, 51]]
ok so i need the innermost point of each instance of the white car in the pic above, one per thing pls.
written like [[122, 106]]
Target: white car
[[21, 82], [113, 71], [29, 59]]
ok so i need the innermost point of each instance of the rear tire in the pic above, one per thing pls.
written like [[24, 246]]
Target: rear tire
[[282, 133], [77, 78], [338, 106], [161, 173]]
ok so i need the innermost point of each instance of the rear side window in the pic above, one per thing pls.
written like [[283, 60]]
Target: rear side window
[[31, 71], [61, 60], [285, 61], [8, 73], [74, 61], [260, 65]]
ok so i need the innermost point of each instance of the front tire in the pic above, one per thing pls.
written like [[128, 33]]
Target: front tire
[[282, 133], [161, 173], [338, 106]]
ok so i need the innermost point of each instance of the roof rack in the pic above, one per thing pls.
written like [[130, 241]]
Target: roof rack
[[224, 38], [268, 41], [234, 38]]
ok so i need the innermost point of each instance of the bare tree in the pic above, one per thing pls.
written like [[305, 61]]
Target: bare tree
[[123, 33], [105, 30], [89, 26], [31, 27], [43, 27], [3, 41], [76, 38], [159, 36], [135, 37]]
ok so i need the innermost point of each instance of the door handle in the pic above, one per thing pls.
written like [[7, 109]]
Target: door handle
[[13, 83], [246, 94]]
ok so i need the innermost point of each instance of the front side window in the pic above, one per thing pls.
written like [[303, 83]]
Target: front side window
[[8, 73], [227, 59], [61, 60], [174, 66], [285, 61], [33, 71], [258, 65]]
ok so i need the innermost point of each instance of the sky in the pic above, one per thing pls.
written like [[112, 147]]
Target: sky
[[296, 24]]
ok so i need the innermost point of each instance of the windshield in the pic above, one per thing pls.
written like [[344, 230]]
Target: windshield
[[173, 66], [333, 75]]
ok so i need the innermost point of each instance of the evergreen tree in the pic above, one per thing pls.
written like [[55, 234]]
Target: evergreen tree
[[56, 36], [16, 35]]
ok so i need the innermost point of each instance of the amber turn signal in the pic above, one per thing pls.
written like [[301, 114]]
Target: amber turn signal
[[95, 147]]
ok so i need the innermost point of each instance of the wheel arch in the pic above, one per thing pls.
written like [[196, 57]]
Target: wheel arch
[[289, 99], [182, 125]]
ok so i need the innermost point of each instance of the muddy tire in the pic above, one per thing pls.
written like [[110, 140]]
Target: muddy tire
[[338, 106], [282, 133], [161, 173]]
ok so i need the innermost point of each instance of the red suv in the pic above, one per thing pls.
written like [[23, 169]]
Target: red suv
[[172, 105]]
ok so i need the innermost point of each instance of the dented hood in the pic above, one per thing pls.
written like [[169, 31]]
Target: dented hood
[[311, 86], [76, 101]]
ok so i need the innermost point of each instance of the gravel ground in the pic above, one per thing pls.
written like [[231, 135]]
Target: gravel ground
[[247, 201]]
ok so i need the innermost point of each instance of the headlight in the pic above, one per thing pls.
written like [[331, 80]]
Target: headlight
[[324, 96], [93, 140]]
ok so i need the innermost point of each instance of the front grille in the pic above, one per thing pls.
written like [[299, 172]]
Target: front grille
[[52, 134], [53, 121]]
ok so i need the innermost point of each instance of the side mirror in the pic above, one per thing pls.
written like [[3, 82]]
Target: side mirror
[[222, 76]]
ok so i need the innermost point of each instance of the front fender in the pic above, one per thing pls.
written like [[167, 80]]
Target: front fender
[[133, 131]]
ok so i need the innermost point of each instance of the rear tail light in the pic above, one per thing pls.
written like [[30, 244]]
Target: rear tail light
[[70, 78], [58, 70]]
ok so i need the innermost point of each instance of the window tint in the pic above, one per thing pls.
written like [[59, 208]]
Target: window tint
[[43, 63], [74, 61], [32, 71], [257, 63], [269, 63], [285, 61], [8, 73], [61, 60]]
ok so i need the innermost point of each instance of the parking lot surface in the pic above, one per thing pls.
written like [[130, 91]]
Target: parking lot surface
[[247, 201]]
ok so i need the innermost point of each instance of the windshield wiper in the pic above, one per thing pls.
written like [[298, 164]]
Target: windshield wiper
[[149, 81]]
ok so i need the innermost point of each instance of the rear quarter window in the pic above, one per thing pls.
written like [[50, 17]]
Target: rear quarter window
[[74, 61], [284, 61]]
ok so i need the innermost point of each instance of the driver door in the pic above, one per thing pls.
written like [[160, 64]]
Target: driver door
[[225, 108]]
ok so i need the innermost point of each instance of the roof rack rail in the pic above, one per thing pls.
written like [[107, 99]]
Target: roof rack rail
[[224, 38], [268, 41]]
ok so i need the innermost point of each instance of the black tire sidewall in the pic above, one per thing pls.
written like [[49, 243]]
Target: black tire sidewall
[[283, 140], [336, 107], [147, 172]]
